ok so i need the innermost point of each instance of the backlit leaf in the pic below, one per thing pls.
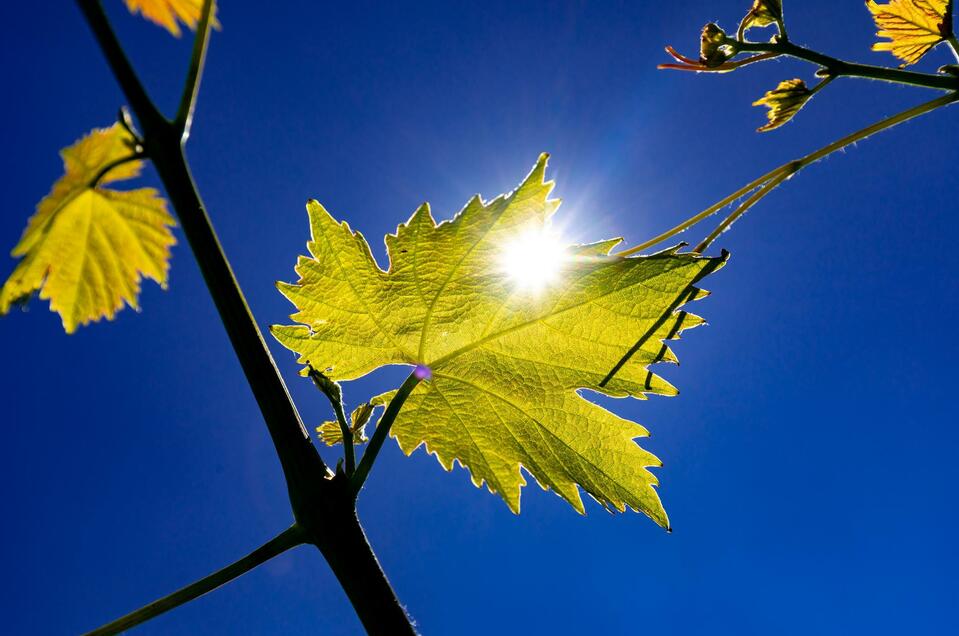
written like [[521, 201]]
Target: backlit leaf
[[913, 27], [508, 360], [763, 13], [169, 13], [331, 434], [783, 102], [86, 247]]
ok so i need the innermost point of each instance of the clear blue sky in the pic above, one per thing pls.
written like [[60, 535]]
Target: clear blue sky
[[810, 462]]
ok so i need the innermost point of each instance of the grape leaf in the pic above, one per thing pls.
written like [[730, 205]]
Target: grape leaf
[[783, 102], [86, 246], [762, 14], [507, 364], [331, 434], [169, 13], [912, 26]]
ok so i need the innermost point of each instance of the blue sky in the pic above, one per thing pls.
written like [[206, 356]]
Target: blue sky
[[809, 462]]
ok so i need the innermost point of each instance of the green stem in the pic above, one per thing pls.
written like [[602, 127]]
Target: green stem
[[791, 168], [349, 452], [753, 199], [286, 540], [184, 115], [688, 223], [382, 430], [839, 68], [788, 169]]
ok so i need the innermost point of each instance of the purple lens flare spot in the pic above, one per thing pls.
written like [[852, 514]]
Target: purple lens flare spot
[[423, 372]]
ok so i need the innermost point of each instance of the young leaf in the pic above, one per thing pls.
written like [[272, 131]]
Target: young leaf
[[331, 434], [169, 13], [761, 14], [912, 26], [86, 247], [783, 102], [507, 359]]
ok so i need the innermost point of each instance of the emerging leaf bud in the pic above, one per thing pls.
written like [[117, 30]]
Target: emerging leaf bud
[[329, 388], [714, 48]]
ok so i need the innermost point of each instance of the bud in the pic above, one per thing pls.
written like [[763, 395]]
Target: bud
[[329, 388], [713, 46]]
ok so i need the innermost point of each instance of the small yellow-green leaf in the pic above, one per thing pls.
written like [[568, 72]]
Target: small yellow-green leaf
[[360, 416], [331, 434], [763, 13], [913, 27], [170, 13], [86, 247], [783, 102], [507, 361]]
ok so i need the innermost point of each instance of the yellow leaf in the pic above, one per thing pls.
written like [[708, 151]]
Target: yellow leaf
[[169, 13], [86, 247], [762, 14], [783, 102], [331, 434], [912, 26], [511, 328]]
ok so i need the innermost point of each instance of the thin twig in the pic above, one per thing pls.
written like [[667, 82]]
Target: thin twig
[[289, 538], [753, 199], [792, 167]]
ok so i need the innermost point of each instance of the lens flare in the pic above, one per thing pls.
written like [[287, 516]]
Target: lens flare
[[534, 259]]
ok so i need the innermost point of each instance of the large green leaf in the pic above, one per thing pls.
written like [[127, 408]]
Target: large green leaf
[[507, 362]]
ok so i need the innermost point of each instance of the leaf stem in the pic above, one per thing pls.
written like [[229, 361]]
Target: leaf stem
[[334, 393], [753, 199], [688, 223], [114, 164], [785, 171], [382, 430], [289, 538], [184, 114], [839, 68]]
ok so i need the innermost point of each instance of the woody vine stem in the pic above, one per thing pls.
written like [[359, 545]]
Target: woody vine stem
[[323, 501]]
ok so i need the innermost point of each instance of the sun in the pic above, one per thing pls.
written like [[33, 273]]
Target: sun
[[534, 259]]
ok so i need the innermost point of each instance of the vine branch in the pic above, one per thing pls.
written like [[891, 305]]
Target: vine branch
[[323, 504], [840, 68]]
